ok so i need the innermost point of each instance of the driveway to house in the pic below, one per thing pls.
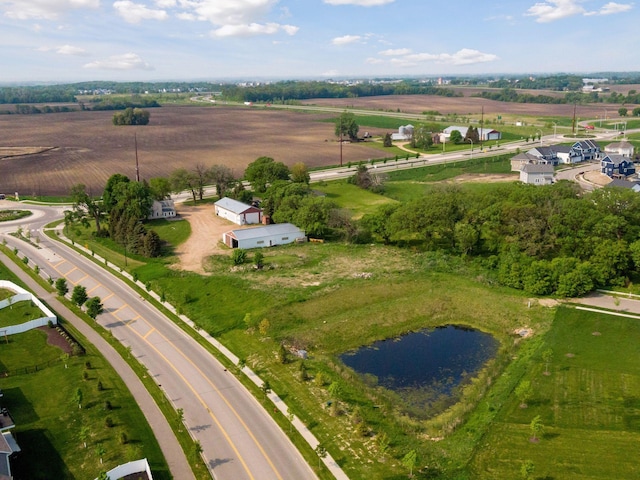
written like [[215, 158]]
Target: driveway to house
[[621, 303]]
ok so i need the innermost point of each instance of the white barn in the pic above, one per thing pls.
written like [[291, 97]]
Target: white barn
[[267, 236], [238, 212]]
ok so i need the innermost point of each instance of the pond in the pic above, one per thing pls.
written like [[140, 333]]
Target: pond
[[424, 368]]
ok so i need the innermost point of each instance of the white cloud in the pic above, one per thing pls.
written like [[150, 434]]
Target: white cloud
[[464, 56], [235, 18], [43, 9], [165, 3], [553, 10], [346, 39], [253, 29], [136, 12], [71, 50], [613, 7], [360, 3], [128, 61], [373, 61], [394, 52], [330, 73]]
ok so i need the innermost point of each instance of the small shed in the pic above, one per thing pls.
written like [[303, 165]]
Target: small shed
[[267, 236], [237, 212]]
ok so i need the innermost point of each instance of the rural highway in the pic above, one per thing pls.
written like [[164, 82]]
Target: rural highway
[[239, 439]]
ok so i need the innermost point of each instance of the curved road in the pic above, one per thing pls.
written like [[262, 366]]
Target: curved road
[[239, 439]]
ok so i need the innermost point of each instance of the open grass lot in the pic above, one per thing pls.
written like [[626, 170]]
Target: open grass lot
[[88, 148], [351, 197], [19, 312], [49, 424], [589, 405]]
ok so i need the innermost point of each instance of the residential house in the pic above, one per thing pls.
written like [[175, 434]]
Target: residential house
[[620, 148], [162, 209], [622, 183], [237, 212], [485, 134], [617, 166], [589, 149], [524, 158], [537, 173], [267, 236], [8, 445], [405, 133]]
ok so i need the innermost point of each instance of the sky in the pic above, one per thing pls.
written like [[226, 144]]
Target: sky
[[157, 40]]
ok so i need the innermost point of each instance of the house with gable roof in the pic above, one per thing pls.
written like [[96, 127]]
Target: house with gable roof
[[623, 148], [237, 212], [617, 166], [8, 445]]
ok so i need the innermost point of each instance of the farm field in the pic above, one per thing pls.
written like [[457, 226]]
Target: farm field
[[466, 105], [85, 147]]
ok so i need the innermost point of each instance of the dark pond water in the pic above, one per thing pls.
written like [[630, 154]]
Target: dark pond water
[[425, 367]]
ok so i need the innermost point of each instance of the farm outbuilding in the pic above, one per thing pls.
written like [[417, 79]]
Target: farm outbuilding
[[238, 212], [267, 236]]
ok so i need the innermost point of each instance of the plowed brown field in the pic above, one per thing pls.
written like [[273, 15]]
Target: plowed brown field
[[89, 149]]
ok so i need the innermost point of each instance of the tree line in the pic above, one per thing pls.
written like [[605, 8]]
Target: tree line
[[544, 240], [280, 92]]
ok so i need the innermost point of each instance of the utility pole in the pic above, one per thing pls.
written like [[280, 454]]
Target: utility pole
[[135, 139]]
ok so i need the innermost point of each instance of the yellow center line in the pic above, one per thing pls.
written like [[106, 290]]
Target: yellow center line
[[149, 333], [223, 399], [200, 399]]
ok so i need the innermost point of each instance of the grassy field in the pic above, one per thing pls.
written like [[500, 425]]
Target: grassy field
[[49, 422], [18, 313], [588, 404], [328, 298]]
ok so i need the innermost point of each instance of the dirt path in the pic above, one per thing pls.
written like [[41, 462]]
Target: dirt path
[[205, 238]]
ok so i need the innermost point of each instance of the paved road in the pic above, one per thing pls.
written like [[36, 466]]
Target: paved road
[[239, 439], [171, 449]]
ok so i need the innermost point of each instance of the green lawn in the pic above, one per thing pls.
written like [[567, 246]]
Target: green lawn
[[351, 197], [589, 404], [18, 313]]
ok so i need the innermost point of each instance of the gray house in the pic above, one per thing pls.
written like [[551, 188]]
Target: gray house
[[537, 174], [267, 236]]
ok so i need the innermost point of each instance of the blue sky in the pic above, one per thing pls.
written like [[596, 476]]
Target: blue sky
[[127, 40]]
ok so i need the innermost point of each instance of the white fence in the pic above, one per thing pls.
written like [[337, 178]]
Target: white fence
[[23, 295], [137, 466]]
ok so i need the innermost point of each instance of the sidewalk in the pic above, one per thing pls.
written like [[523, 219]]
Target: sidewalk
[[173, 454]]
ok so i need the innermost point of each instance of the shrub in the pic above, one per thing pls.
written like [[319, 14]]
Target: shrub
[[108, 422], [124, 439]]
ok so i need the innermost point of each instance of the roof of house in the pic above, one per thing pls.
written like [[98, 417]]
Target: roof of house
[[267, 230], [619, 182], [587, 144], [234, 205], [618, 145], [561, 148], [537, 168], [615, 159], [543, 151]]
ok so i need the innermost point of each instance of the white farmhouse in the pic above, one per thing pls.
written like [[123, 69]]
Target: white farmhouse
[[162, 209], [237, 212], [267, 236]]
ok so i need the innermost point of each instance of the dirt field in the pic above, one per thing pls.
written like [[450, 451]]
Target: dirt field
[[464, 106], [205, 239], [89, 149], [84, 147]]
